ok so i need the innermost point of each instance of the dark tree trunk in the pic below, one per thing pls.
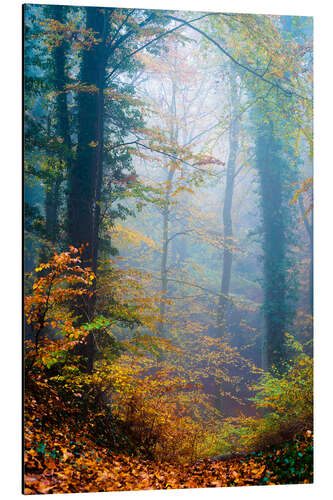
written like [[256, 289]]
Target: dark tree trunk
[[270, 168], [52, 202], [62, 131], [86, 175], [309, 230], [60, 77]]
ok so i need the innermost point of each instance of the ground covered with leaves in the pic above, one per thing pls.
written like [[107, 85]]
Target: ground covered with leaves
[[61, 457], [97, 470]]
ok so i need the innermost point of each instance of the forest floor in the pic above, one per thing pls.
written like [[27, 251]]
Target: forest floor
[[81, 468], [72, 445]]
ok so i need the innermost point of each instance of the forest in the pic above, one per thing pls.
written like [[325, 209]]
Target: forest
[[168, 249]]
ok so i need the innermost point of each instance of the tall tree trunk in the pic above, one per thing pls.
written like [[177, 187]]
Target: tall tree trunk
[[165, 250], [52, 203], [166, 215], [223, 305], [62, 127], [62, 131], [85, 178], [309, 230], [270, 168], [99, 169], [227, 211]]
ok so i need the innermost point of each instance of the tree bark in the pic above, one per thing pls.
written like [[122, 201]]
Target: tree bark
[[86, 175], [62, 131], [309, 230], [227, 211], [166, 215], [270, 167], [165, 250]]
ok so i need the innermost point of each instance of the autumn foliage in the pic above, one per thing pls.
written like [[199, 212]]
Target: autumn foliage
[[101, 430], [61, 280], [168, 249]]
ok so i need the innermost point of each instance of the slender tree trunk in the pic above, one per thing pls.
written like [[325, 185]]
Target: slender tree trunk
[[99, 177], [62, 131], [309, 230], [62, 114], [222, 310], [165, 250], [52, 202], [166, 215], [227, 212]]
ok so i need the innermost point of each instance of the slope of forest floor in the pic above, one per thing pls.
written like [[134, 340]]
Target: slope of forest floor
[[75, 443], [96, 470], [63, 456]]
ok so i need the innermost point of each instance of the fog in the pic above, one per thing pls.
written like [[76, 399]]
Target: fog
[[185, 163]]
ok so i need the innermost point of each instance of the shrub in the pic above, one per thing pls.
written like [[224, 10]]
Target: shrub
[[284, 404]]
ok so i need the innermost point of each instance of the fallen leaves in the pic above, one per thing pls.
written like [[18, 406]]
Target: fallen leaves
[[119, 472], [62, 455]]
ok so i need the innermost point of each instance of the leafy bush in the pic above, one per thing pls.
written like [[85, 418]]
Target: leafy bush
[[156, 406], [284, 404], [151, 404]]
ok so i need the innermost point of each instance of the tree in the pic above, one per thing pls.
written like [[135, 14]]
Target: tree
[[61, 134], [275, 219], [86, 173], [274, 160], [227, 203]]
